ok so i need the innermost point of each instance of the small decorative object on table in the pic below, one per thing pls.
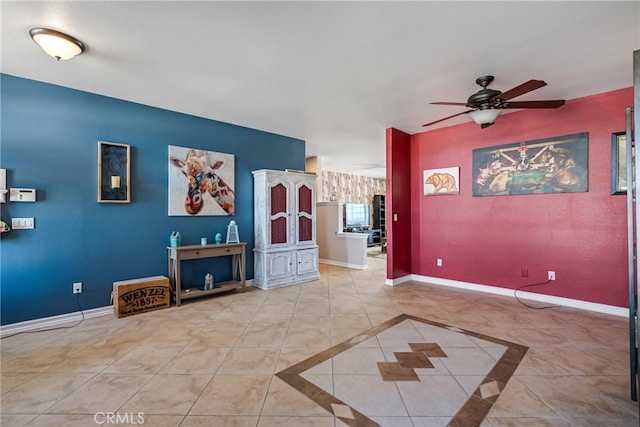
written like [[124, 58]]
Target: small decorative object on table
[[232, 233], [175, 239], [218, 238], [208, 282]]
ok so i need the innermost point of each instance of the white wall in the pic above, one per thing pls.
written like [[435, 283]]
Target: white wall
[[334, 246]]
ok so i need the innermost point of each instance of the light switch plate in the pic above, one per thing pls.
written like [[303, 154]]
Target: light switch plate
[[22, 223]]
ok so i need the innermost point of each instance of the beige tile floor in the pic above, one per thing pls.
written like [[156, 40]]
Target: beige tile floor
[[213, 361]]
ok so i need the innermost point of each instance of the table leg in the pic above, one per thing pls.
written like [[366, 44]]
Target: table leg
[[234, 267], [170, 271], [243, 265], [178, 283]]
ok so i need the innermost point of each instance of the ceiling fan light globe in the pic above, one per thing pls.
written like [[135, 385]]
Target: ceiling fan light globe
[[484, 117]]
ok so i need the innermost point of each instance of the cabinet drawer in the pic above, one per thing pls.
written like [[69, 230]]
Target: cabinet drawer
[[207, 252]]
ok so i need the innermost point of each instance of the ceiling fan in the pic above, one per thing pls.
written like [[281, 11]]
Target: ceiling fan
[[487, 103]]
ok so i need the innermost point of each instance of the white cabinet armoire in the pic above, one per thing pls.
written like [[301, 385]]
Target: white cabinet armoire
[[285, 251]]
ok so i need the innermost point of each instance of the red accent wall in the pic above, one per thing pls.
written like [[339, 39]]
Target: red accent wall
[[488, 240], [398, 202]]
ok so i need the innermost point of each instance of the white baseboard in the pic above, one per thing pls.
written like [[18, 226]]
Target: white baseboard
[[53, 321], [49, 322], [397, 281], [548, 299], [344, 264]]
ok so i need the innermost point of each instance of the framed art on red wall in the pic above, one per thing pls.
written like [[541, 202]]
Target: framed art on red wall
[[619, 163], [441, 181], [551, 165]]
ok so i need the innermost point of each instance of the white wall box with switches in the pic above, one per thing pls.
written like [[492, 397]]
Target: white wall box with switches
[[22, 223], [22, 194], [3, 186]]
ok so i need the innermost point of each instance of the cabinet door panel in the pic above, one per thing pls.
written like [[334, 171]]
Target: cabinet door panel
[[307, 261], [279, 265], [305, 228], [279, 230], [279, 214], [305, 214]]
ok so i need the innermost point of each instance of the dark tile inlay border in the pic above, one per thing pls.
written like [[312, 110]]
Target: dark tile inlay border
[[472, 412]]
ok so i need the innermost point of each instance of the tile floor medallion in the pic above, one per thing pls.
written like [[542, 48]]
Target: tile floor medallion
[[408, 370]]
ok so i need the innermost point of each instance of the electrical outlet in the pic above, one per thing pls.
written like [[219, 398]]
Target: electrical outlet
[[551, 275], [439, 262], [77, 288], [524, 272]]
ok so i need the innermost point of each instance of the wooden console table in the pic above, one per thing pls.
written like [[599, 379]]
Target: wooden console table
[[183, 253]]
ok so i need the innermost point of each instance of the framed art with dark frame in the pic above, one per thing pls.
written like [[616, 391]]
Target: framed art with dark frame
[[114, 166], [551, 165], [619, 163]]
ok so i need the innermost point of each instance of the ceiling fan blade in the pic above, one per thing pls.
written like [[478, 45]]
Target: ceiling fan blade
[[550, 103], [463, 104], [522, 89], [447, 118]]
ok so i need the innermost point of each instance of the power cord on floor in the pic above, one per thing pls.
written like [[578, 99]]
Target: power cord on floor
[[53, 329], [515, 295]]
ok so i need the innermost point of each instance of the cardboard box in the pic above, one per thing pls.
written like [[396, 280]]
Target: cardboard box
[[140, 295]]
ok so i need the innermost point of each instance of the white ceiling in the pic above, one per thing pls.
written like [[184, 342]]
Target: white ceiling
[[335, 74]]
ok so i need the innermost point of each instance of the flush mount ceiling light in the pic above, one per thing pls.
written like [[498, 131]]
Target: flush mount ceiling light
[[57, 44]]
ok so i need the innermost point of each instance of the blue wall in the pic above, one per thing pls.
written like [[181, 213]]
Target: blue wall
[[49, 142]]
